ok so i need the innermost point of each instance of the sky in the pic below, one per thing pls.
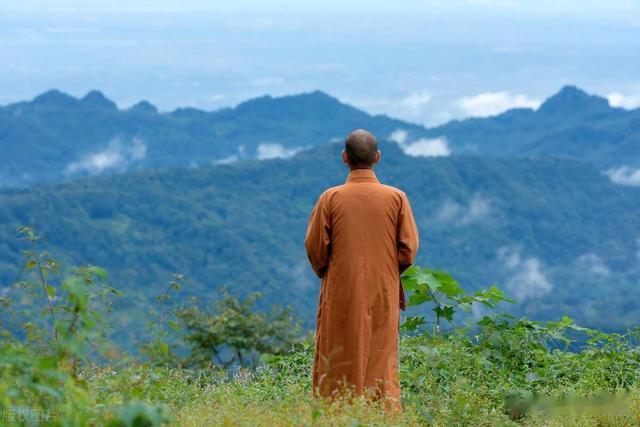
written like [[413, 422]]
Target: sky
[[426, 62]]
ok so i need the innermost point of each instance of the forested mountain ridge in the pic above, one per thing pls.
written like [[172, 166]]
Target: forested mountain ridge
[[570, 124], [557, 235], [56, 136]]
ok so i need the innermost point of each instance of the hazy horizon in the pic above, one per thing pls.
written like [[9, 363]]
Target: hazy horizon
[[442, 60]]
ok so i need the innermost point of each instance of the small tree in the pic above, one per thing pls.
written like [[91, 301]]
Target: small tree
[[236, 334], [162, 326], [73, 314]]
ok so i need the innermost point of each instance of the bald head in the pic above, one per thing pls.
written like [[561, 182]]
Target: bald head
[[361, 148]]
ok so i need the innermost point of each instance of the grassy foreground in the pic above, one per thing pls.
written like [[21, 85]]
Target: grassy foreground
[[445, 382], [60, 368]]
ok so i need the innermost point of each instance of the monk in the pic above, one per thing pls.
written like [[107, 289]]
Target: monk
[[360, 237]]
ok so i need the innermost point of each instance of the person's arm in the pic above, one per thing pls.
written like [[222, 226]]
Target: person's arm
[[407, 242], [318, 237], [407, 237]]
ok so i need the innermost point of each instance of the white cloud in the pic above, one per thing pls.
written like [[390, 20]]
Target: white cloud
[[415, 101], [594, 263], [98, 162], [137, 149], [427, 147], [226, 160], [479, 209], [625, 101], [624, 175], [117, 155], [274, 151], [449, 211], [214, 97], [493, 103], [233, 157], [399, 136], [526, 278], [424, 147]]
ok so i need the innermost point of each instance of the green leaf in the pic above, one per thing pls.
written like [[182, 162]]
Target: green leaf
[[418, 298], [447, 284], [77, 292], [497, 295], [446, 311], [51, 291], [98, 271], [486, 321], [465, 306], [411, 284], [173, 325], [412, 323], [411, 271], [115, 291], [53, 392], [48, 362], [164, 347], [431, 281]]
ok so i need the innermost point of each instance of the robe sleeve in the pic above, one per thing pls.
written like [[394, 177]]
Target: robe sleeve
[[407, 236], [318, 237]]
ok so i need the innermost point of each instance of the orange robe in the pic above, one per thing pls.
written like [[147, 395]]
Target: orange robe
[[361, 235]]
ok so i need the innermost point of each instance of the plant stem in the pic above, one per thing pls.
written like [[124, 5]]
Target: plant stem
[[437, 311], [43, 282]]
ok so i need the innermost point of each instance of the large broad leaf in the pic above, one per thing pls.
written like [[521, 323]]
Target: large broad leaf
[[411, 284], [448, 285], [413, 279], [431, 281], [411, 271], [417, 298]]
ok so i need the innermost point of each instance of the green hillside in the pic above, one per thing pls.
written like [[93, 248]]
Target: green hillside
[[556, 235], [56, 136]]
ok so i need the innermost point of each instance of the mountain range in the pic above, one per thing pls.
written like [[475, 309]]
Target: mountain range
[[56, 137], [570, 124], [526, 200]]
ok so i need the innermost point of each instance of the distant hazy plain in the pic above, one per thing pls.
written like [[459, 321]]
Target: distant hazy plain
[[422, 61]]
